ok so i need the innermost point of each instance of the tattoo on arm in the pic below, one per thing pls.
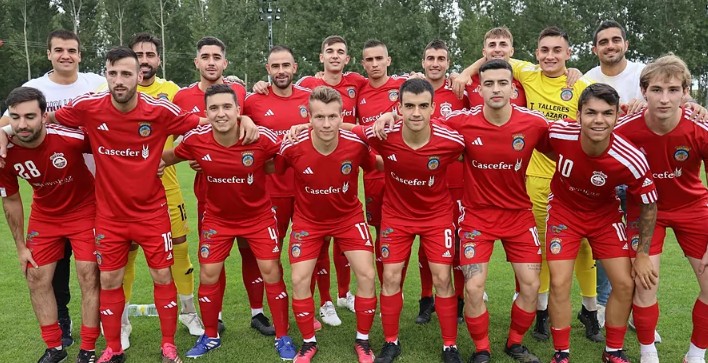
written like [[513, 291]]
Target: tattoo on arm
[[647, 220], [471, 270]]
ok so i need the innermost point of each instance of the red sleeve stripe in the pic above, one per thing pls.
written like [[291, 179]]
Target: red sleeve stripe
[[651, 197], [268, 133]]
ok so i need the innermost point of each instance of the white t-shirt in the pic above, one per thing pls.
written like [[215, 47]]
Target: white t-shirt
[[626, 83]]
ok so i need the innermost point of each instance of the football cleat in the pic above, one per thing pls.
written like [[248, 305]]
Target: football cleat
[[109, 356], [542, 330], [53, 355], [86, 356], [561, 357], [592, 325], [451, 355], [481, 357], [521, 354], [66, 324], [617, 356], [389, 352], [286, 348], [363, 351], [192, 322], [203, 346], [329, 314], [262, 324], [169, 354], [427, 306], [346, 302], [307, 351]]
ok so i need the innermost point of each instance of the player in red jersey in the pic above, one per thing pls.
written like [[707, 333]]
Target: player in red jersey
[[674, 145], [416, 155], [211, 62], [236, 207], [128, 131], [591, 162], [326, 163], [51, 159]]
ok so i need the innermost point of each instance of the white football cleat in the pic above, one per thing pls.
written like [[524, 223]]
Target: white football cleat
[[329, 314], [193, 323], [346, 302]]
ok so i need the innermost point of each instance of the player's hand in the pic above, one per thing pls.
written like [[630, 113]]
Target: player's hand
[[704, 264], [291, 135], [261, 87], [383, 123], [234, 79], [320, 75], [459, 83], [161, 168], [700, 114], [572, 76], [643, 271], [4, 140], [414, 75], [195, 166], [634, 106], [25, 256], [248, 131]]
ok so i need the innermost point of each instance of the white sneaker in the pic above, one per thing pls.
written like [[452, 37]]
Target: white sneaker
[[649, 357], [657, 337], [485, 297], [329, 315], [346, 302], [601, 315], [193, 323], [125, 330], [687, 359]]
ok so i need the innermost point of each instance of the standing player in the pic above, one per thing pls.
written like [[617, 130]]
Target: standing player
[[63, 207], [592, 161], [326, 163], [416, 155], [59, 86], [211, 62], [674, 145], [237, 206]]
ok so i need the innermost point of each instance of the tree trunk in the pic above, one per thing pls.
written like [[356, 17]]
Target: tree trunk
[[24, 30]]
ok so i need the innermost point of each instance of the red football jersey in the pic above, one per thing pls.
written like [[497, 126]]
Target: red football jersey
[[348, 87], [56, 171], [674, 158], [375, 101], [416, 189], [517, 98], [191, 98], [446, 102], [235, 175], [326, 186], [587, 183], [496, 157], [127, 148], [279, 114]]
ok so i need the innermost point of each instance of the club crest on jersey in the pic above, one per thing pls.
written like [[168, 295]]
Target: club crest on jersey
[[598, 178], [555, 247], [204, 251], [351, 92], [559, 228], [386, 232], [469, 250], [99, 258], [163, 95], [635, 242], [385, 252], [445, 108], [58, 160], [393, 95], [681, 153], [566, 94], [472, 235], [247, 158], [346, 167], [207, 234], [295, 250], [518, 143], [433, 162], [303, 111], [144, 129], [300, 235]]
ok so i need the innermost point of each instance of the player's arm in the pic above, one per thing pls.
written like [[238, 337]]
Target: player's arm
[[643, 268], [261, 87], [169, 157], [4, 120], [465, 78], [699, 113], [15, 216], [385, 122]]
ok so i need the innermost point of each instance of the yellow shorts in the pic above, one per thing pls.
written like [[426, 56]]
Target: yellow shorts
[[178, 213]]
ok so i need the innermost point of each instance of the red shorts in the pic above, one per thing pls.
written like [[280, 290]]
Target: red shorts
[[200, 190], [515, 228], [306, 239], [113, 239], [217, 238], [284, 207], [373, 193], [456, 195], [688, 227], [47, 238], [604, 230], [438, 242]]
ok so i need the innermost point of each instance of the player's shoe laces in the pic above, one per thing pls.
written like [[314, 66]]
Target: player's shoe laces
[[427, 306], [561, 357], [53, 355], [346, 302], [86, 356], [649, 357], [262, 324], [66, 324], [521, 354], [169, 354], [286, 348], [451, 355], [307, 351], [363, 351], [482, 356], [592, 326], [203, 346], [329, 314], [192, 322], [389, 352], [687, 359], [109, 356], [617, 356], [460, 310], [541, 331], [125, 330]]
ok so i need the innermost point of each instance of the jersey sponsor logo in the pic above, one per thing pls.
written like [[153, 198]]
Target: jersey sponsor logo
[[346, 167], [385, 251], [247, 158], [370, 119], [517, 142], [127, 152], [682, 153], [414, 182], [472, 234], [327, 191], [566, 94], [58, 160], [477, 141], [669, 174], [103, 127], [303, 111], [556, 246], [647, 182], [469, 251], [195, 109], [497, 166], [445, 108], [351, 92], [206, 157], [363, 101], [308, 171], [392, 157], [433, 162], [598, 178], [558, 228], [393, 95], [231, 180], [204, 251], [144, 129], [519, 163], [207, 234], [295, 250], [269, 113]]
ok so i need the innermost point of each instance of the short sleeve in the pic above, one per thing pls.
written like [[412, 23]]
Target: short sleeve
[[643, 188], [8, 182], [72, 114], [181, 123], [184, 150], [270, 142]]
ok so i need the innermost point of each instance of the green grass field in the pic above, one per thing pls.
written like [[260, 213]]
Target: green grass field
[[20, 339]]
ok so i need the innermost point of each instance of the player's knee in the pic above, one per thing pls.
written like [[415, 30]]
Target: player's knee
[[474, 292], [38, 279], [161, 276], [111, 280], [270, 271], [623, 287], [87, 273]]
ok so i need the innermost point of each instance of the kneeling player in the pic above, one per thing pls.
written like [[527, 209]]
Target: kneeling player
[[236, 207], [326, 163], [592, 161]]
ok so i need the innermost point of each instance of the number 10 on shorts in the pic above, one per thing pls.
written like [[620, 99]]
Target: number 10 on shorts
[[167, 238]]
